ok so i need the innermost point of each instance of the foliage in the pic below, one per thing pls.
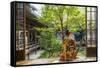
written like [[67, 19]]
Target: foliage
[[71, 17], [52, 50], [49, 44]]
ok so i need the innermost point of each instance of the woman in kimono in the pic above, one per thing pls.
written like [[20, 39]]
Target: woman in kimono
[[68, 47]]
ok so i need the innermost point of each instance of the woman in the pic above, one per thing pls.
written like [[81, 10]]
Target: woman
[[68, 47]]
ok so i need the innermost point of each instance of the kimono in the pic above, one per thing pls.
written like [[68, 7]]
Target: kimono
[[68, 48]]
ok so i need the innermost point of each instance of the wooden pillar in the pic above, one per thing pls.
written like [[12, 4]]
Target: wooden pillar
[[24, 28], [86, 28]]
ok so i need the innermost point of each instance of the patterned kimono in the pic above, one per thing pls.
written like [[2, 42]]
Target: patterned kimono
[[68, 48]]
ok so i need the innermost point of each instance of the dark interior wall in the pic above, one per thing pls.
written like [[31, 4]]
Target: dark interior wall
[[91, 52]]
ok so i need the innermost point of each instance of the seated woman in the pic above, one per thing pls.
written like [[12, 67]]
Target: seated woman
[[68, 47]]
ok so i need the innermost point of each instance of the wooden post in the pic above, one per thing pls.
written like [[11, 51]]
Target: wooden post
[[86, 28], [24, 27]]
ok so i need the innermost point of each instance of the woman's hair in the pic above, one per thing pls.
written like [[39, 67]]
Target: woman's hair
[[67, 32]]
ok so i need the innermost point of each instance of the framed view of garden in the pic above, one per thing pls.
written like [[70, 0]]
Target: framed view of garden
[[49, 33]]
